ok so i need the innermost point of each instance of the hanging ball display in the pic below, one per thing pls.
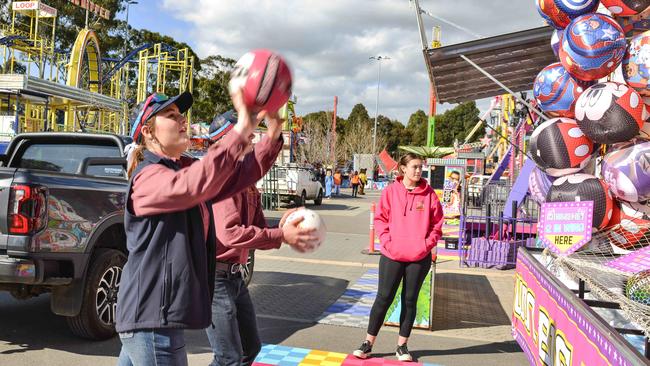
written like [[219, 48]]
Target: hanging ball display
[[627, 170], [593, 46], [559, 147], [538, 185], [632, 231], [556, 91], [625, 7], [558, 13], [584, 187], [556, 41], [610, 112], [636, 63], [637, 287]]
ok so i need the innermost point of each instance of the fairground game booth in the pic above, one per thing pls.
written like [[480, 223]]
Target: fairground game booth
[[573, 215]]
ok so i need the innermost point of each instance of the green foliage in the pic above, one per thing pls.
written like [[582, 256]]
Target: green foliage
[[417, 127], [211, 95], [359, 115], [456, 124]]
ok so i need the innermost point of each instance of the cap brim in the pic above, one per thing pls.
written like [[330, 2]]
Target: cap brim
[[183, 101]]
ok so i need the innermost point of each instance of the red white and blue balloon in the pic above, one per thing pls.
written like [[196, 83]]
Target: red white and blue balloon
[[556, 41], [636, 63], [558, 13], [592, 47], [610, 112], [627, 170], [626, 7], [556, 91]]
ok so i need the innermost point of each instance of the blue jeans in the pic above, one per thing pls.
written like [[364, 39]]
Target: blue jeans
[[159, 347], [233, 336]]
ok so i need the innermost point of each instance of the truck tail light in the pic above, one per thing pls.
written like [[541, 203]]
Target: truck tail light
[[27, 209]]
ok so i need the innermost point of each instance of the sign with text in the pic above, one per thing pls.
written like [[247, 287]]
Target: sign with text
[[565, 226], [554, 328], [44, 11], [637, 261]]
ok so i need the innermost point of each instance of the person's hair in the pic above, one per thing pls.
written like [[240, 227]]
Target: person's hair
[[404, 161], [138, 153], [455, 172]]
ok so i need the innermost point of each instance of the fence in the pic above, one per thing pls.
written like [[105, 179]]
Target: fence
[[488, 239]]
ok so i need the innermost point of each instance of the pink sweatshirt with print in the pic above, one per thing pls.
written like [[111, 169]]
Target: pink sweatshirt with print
[[408, 223]]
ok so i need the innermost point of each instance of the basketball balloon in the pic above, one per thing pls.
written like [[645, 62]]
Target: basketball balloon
[[559, 147], [593, 46], [584, 187], [556, 91], [636, 63], [558, 13], [625, 7], [610, 112], [264, 78]]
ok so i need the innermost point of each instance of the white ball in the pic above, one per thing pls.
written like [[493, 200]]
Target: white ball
[[311, 220]]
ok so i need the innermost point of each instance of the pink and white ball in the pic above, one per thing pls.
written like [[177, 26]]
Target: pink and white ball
[[311, 220], [264, 78], [610, 112]]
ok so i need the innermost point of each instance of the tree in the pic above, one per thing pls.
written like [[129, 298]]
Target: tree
[[393, 133], [456, 123], [359, 115], [316, 132], [211, 95], [357, 140], [417, 127]]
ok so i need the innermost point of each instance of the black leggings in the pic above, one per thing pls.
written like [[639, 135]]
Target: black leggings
[[391, 274]]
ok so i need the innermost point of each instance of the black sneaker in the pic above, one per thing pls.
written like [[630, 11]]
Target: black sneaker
[[364, 350], [403, 354]]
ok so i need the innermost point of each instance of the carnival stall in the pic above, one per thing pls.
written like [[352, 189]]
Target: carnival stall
[[582, 294]]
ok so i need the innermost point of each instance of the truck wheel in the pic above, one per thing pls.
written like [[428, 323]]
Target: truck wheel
[[302, 200], [96, 320], [247, 275], [319, 199]]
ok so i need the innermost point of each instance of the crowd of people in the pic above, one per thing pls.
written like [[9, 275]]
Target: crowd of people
[[191, 223]]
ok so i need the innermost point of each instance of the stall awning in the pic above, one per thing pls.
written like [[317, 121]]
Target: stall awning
[[514, 59]]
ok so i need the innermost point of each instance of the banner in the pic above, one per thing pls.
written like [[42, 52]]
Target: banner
[[555, 328], [565, 226]]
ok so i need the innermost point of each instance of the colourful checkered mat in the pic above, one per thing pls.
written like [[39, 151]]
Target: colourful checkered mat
[[276, 355], [352, 309]]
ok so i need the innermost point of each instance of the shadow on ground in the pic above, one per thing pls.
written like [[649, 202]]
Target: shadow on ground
[[488, 348], [474, 301]]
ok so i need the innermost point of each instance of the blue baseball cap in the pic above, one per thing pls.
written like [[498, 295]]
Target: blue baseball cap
[[155, 103]]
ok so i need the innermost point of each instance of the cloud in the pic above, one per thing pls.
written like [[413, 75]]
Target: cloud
[[328, 43]]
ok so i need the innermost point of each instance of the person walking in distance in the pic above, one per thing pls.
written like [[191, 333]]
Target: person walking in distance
[[338, 179], [363, 180], [329, 184], [355, 181], [408, 220], [167, 281]]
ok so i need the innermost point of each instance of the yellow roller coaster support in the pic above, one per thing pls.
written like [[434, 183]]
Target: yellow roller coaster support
[[84, 72], [155, 61]]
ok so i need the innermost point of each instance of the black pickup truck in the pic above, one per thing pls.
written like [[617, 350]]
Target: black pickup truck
[[62, 198]]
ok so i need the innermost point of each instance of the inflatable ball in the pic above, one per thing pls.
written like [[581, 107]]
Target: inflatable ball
[[558, 13], [556, 91], [584, 187]]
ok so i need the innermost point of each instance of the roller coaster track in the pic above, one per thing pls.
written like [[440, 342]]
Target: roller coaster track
[[128, 58]]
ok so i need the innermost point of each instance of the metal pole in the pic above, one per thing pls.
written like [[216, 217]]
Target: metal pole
[[374, 132]]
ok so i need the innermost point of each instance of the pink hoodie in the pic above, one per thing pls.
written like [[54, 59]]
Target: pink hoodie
[[408, 224]]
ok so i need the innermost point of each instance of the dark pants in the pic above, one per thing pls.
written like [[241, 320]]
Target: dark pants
[[391, 274], [355, 189], [233, 336]]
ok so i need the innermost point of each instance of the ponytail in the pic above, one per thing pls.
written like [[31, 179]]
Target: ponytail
[[138, 156]]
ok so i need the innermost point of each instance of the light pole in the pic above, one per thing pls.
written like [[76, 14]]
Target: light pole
[[374, 133], [126, 71]]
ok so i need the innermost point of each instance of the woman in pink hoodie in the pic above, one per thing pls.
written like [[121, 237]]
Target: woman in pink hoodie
[[408, 221]]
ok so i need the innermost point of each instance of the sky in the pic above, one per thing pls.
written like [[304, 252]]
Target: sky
[[328, 43]]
